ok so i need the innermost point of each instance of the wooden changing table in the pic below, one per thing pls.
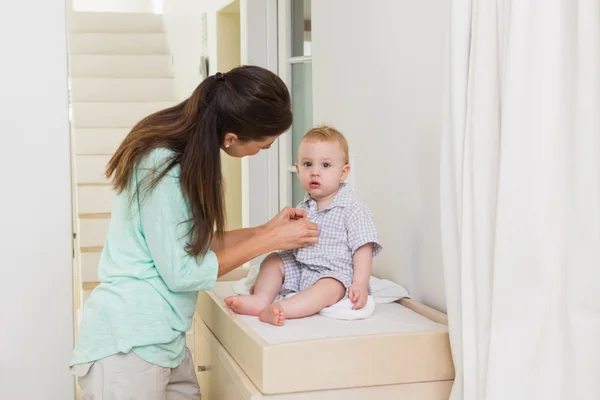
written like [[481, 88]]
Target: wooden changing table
[[234, 362]]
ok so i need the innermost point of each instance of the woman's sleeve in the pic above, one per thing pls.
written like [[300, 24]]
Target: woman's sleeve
[[164, 216]]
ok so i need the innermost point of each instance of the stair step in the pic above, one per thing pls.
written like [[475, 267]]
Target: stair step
[[95, 199], [121, 66], [85, 295], [92, 232], [90, 249], [90, 169], [105, 215], [124, 90], [90, 285], [118, 43], [89, 267], [116, 22], [105, 141], [113, 115]]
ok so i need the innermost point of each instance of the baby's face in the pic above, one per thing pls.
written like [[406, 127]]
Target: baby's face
[[321, 167]]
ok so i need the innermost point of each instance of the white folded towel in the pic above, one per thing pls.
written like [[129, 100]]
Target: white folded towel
[[382, 291], [242, 287]]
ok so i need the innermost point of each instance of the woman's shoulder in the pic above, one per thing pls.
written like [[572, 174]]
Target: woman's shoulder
[[157, 160], [158, 156]]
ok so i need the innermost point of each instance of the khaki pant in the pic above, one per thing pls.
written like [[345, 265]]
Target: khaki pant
[[128, 377]]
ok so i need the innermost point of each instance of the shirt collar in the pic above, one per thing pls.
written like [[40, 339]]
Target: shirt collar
[[343, 198]]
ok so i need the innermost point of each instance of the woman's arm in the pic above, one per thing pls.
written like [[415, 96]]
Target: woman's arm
[[242, 247], [253, 241], [163, 216], [289, 229], [231, 238]]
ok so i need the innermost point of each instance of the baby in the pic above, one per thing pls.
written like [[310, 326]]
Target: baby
[[339, 265]]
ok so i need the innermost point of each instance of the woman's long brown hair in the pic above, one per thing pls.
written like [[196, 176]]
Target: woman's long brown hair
[[249, 101]]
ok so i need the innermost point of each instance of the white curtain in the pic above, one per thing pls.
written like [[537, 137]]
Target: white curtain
[[521, 199]]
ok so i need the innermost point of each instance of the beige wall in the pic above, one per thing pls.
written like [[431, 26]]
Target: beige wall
[[377, 76], [228, 57]]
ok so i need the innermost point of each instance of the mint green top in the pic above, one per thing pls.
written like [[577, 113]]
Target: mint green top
[[149, 284]]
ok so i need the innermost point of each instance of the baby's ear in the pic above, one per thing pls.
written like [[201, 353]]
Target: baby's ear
[[345, 172]]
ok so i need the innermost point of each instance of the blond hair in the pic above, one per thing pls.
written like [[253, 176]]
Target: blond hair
[[327, 133]]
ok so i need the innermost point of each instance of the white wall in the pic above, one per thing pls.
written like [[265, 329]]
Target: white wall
[[113, 5], [36, 295], [185, 29], [377, 76]]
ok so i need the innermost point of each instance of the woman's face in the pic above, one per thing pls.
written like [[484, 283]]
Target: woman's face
[[236, 148]]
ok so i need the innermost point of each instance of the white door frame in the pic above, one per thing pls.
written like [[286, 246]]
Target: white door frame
[[260, 185], [287, 170], [284, 34], [266, 41]]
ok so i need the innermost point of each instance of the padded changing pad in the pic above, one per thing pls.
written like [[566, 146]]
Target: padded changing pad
[[387, 318], [398, 344]]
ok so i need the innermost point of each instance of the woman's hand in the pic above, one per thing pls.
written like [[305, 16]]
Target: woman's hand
[[290, 229], [286, 215]]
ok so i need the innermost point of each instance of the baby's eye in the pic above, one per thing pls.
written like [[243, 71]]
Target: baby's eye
[[326, 165], [307, 164]]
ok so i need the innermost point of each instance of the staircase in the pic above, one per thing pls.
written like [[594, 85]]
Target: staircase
[[120, 72]]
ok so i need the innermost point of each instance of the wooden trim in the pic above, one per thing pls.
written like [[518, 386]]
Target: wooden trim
[[89, 285], [243, 383], [426, 311], [307, 25], [91, 249], [95, 216]]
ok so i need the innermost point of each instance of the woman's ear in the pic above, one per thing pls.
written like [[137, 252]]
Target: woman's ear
[[229, 140], [345, 172]]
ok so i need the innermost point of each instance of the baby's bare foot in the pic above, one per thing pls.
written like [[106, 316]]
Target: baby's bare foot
[[245, 305], [273, 314]]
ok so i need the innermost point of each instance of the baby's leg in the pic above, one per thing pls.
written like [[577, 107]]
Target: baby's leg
[[267, 286], [324, 293]]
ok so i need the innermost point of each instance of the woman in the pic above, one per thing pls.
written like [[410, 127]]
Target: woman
[[166, 239]]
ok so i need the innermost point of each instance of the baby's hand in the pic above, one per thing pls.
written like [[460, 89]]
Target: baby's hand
[[358, 294]]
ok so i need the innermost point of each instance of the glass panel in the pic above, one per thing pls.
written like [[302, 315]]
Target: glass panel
[[303, 117], [301, 28]]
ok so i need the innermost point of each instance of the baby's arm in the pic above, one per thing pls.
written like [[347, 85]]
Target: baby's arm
[[364, 243], [363, 264]]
